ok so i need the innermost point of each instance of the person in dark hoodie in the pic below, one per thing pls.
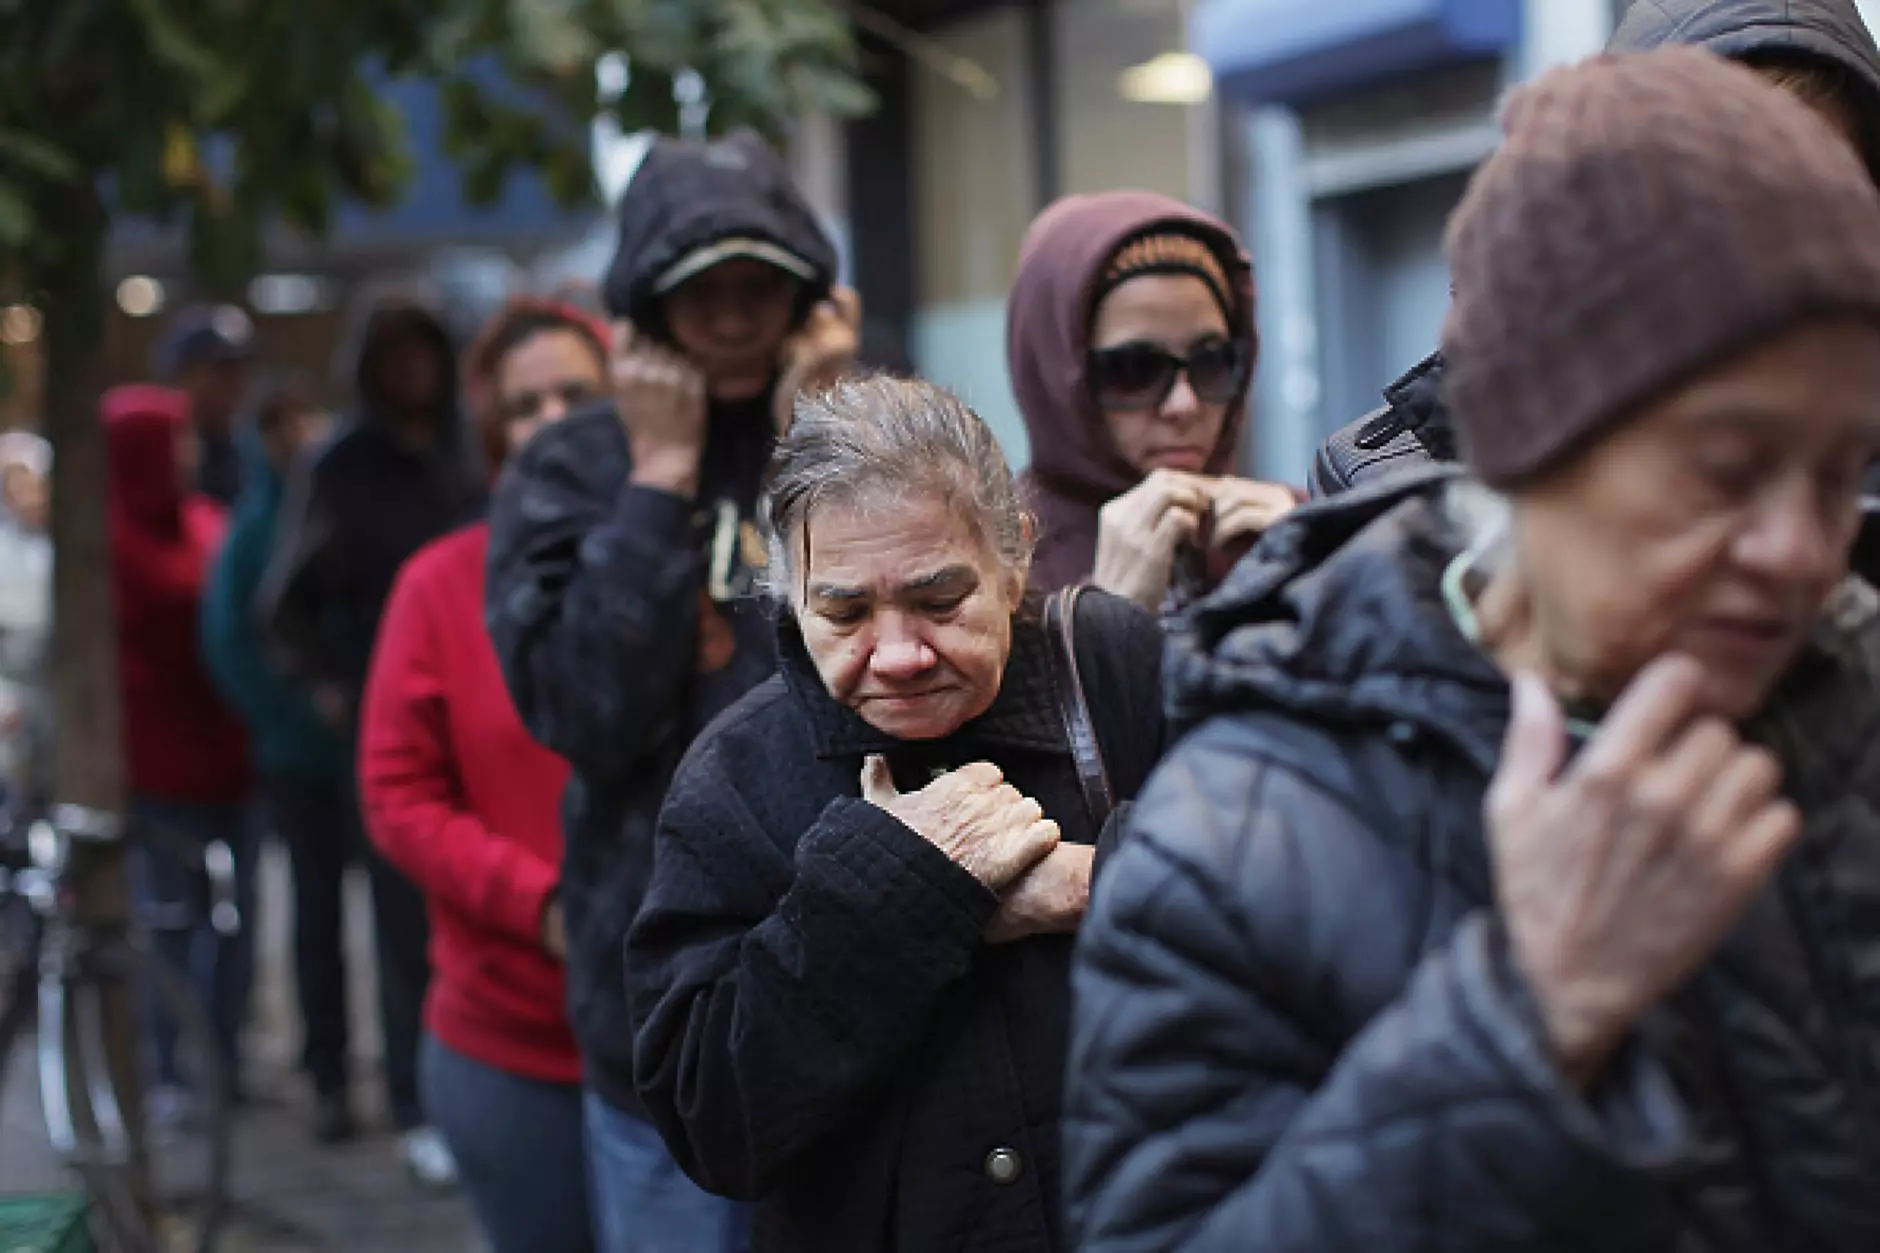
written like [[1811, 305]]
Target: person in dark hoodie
[[395, 477], [620, 588], [301, 757], [186, 758], [1512, 888], [1131, 343], [1820, 50]]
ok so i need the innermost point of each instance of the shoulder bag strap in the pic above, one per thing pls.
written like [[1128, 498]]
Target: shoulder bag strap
[[1080, 733]]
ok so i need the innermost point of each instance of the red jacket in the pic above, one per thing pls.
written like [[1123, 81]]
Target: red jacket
[[459, 797], [181, 743]]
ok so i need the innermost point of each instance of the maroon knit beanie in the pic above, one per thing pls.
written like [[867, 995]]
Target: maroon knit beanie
[[1648, 216]]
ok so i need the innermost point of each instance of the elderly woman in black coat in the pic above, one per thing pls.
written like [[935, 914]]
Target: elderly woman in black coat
[[850, 972], [1520, 887]]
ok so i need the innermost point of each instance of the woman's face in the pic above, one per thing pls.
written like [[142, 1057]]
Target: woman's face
[[731, 321], [1162, 313], [542, 378], [906, 614], [1715, 523]]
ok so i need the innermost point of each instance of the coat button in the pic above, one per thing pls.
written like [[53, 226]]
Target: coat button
[[1004, 1166]]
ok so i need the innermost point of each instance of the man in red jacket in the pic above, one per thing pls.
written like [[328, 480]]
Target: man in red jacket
[[185, 753]]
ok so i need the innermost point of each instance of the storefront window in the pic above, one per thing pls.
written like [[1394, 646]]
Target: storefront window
[[1127, 96], [975, 189]]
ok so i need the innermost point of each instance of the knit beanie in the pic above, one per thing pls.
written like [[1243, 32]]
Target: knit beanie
[[1647, 217], [1166, 252]]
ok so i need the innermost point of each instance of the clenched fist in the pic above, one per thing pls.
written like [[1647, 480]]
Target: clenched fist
[[662, 403], [820, 352], [983, 824]]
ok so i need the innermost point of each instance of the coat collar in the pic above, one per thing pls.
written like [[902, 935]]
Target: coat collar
[[1026, 714]]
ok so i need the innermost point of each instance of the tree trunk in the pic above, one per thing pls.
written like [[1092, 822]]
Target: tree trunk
[[87, 750]]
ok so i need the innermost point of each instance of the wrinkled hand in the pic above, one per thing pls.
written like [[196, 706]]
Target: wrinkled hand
[[1618, 877], [821, 351], [982, 824], [661, 400], [1244, 507], [1048, 899], [1138, 532], [555, 931]]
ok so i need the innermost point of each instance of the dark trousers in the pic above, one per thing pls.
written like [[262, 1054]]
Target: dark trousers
[[519, 1150], [319, 822], [311, 819]]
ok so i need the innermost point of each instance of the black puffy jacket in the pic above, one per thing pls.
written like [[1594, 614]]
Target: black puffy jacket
[[1297, 1023]]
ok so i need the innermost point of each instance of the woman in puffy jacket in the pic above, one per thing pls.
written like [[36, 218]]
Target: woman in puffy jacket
[[1516, 889], [459, 798]]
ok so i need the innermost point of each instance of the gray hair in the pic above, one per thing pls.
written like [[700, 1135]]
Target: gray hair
[[876, 440]]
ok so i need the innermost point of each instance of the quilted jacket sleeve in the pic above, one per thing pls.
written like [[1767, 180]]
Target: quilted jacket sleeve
[[1251, 1067], [592, 596]]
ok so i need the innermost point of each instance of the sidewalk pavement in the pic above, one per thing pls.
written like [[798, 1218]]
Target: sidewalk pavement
[[291, 1195]]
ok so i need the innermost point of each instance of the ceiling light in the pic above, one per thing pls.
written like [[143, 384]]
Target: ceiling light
[[140, 296], [1171, 78]]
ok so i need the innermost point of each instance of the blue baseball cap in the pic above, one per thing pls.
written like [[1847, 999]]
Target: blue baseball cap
[[204, 333]]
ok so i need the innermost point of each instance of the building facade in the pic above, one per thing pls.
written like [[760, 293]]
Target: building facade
[[1335, 134]]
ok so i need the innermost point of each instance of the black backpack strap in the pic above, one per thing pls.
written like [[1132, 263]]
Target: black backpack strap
[[1080, 732]]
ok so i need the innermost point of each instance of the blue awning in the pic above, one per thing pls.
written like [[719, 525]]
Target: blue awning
[[1294, 51]]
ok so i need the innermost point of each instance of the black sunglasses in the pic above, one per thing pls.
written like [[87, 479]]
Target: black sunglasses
[[1140, 375]]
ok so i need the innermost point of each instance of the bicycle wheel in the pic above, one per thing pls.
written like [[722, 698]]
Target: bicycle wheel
[[186, 1166], [19, 962]]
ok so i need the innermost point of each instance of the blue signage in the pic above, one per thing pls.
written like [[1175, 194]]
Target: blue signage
[[1295, 51]]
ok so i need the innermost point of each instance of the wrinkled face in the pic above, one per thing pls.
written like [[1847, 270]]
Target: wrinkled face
[[1175, 313], [215, 391], [28, 496], [1715, 523], [542, 378], [906, 613], [730, 321]]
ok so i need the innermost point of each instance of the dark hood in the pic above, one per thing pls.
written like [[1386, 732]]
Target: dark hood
[[1074, 467], [389, 320], [686, 195], [1747, 29], [142, 424], [1338, 615]]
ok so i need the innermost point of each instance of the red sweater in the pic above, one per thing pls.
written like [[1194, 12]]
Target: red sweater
[[459, 797], [181, 743]]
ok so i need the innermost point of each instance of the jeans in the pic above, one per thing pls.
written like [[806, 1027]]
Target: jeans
[[311, 818], [173, 900], [519, 1149], [642, 1202]]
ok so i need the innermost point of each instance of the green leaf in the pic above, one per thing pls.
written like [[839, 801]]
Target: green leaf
[[551, 35], [171, 42], [37, 155], [16, 217]]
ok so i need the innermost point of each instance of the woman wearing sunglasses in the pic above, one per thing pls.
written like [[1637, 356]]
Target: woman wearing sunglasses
[[1130, 339]]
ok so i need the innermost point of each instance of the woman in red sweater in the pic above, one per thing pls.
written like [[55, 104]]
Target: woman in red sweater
[[186, 754], [459, 797]]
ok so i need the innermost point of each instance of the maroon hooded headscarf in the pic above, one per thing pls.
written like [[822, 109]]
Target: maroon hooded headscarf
[[1075, 467]]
